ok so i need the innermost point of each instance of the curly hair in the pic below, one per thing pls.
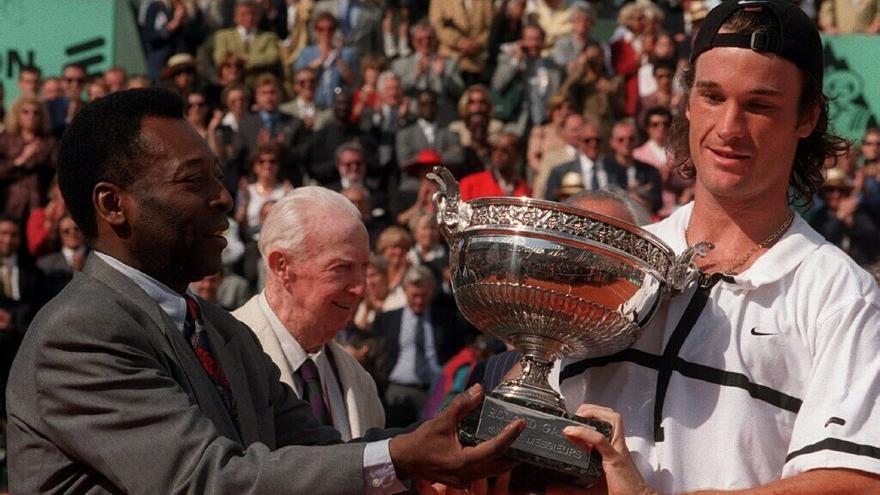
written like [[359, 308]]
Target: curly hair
[[812, 153]]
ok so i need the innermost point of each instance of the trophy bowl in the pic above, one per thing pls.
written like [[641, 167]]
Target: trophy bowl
[[554, 281]]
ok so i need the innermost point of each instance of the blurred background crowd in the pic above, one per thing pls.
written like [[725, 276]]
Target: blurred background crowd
[[539, 98]]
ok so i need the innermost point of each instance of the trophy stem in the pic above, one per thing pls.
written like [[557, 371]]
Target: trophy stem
[[533, 385]]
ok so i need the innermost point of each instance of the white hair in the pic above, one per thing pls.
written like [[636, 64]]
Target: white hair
[[292, 219], [385, 77]]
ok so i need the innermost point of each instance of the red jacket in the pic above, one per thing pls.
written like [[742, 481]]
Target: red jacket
[[483, 184]]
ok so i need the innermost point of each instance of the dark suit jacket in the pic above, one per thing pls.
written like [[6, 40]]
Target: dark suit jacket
[[447, 329], [293, 143], [33, 293], [554, 180], [650, 186], [106, 396]]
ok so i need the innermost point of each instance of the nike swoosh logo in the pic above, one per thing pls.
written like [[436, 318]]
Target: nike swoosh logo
[[754, 331]]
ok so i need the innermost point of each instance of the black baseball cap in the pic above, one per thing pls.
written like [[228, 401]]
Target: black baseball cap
[[795, 37]]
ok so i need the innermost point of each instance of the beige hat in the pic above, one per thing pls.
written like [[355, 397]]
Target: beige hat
[[178, 63], [571, 184]]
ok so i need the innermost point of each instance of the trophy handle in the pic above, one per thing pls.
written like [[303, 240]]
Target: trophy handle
[[453, 214], [683, 270]]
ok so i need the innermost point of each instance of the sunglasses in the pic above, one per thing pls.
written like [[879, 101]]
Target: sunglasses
[[591, 140]]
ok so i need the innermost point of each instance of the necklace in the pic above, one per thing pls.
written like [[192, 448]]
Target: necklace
[[731, 270]]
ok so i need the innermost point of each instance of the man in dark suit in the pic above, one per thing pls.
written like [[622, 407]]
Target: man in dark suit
[[589, 164], [21, 294], [418, 339], [268, 126], [640, 179], [127, 383]]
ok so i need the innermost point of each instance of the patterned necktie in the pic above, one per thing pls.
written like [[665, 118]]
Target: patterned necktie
[[194, 331], [313, 393]]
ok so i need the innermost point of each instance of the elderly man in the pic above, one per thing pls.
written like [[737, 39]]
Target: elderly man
[[316, 249], [762, 377], [129, 384]]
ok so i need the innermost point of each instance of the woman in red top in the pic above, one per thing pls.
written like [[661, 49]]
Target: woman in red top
[[502, 176]]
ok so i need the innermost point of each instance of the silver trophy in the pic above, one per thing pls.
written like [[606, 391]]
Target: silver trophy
[[554, 281]]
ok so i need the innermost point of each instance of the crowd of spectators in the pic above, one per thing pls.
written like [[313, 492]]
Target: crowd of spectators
[[515, 97]]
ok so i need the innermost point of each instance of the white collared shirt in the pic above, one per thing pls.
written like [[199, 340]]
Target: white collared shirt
[[172, 303], [588, 168], [12, 264], [247, 37], [70, 253], [296, 356], [428, 128]]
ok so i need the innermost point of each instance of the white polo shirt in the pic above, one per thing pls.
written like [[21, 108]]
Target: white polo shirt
[[780, 373]]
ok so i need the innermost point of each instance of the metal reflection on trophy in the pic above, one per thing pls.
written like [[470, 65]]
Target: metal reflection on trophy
[[554, 281]]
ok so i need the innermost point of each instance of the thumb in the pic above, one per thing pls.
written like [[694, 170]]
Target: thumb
[[464, 403]]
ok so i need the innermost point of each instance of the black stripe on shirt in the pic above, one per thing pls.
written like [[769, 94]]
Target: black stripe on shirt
[[837, 445]]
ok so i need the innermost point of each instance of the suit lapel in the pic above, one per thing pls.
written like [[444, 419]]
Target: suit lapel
[[195, 381], [349, 390], [226, 352]]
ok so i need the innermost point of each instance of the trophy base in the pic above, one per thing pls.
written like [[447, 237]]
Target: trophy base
[[541, 445]]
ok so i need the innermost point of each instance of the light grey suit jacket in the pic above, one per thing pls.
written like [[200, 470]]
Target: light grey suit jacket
[[106, 396], [411, 140], [448, 85], [358, 388]]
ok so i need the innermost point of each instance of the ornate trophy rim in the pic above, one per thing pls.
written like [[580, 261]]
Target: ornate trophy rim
[[572, 210]]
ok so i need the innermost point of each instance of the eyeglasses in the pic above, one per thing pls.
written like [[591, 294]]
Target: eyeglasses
[[659, 123], [625, 139], [591, 140]]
